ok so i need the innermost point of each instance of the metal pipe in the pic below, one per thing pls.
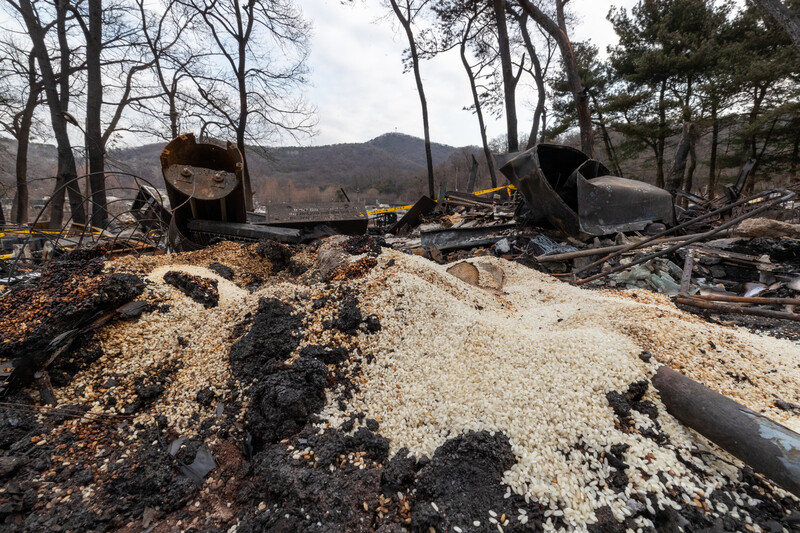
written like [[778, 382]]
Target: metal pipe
[[735, 309], [699, 237], [606, 249], [766, 446], [753, 300]]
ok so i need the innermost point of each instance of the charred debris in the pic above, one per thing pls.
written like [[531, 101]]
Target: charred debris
[[199, 367]]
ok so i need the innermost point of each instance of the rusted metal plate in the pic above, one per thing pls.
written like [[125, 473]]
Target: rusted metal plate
[[344, 217], [201, 183], [204, 182], [768, 447]]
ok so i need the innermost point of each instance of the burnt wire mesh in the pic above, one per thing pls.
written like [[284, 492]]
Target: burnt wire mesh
[[136, 223]]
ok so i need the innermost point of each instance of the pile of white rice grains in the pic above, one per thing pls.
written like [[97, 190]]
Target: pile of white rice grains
[[532, 362], [536, 361]]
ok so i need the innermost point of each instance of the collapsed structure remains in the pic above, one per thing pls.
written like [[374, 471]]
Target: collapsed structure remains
[[572, 352]]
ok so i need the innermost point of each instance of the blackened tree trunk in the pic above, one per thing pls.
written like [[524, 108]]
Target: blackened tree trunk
[[758, 98], [795, 149], [712, 163], [662, 135], [509, 80], [477, 102], [678, 170], [66, 174], [405, 21], [241, 125], [611, 152], [579, 94], [76, 199], [19, 210], [751, 182], [94, 103], [473, 175], [688, 183], [538, 78]]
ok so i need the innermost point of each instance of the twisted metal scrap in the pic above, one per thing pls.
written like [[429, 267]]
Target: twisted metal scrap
[[124, 232]]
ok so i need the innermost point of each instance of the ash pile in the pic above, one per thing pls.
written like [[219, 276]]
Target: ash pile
[[343, 385]]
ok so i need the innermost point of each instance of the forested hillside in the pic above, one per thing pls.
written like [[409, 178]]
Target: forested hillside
[[391, 164]]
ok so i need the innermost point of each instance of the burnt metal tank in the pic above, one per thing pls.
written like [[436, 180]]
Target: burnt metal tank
[[565, 188], [204, 182]]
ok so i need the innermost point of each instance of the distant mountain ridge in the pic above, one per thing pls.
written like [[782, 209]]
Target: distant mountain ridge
[[390, 167], [388, 157]]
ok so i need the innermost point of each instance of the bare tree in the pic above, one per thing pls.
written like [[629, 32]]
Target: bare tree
[[469, 27], [509, 79], [537, 71], [406, 13], [57, 93], [558, 30], [113, 52], [263, 46], [19, 80], [475, 96], [174, 58]]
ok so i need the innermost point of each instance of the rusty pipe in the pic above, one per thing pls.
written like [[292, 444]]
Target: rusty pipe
[[751, 300], [767, 447]]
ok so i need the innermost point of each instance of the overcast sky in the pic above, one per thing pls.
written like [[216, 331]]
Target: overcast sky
[[360, 91], [359, 88]]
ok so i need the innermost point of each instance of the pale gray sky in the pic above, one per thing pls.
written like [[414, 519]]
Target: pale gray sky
[[360, 90]]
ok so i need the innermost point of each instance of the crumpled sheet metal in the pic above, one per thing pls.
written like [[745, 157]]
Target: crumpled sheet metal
[[562, 186]]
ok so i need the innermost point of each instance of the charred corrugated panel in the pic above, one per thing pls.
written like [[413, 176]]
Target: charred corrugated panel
[[344, 217], [460, 238], [207, 230]]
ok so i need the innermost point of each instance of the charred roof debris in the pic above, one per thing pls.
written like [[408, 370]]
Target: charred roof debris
[[572, 351]]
